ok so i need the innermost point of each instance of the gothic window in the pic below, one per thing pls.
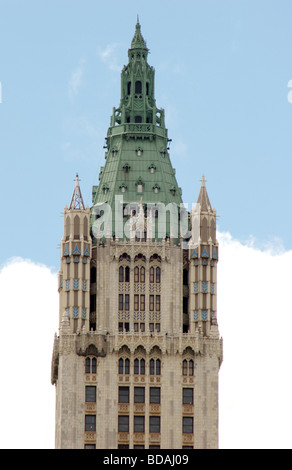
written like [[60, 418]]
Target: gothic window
[[188, 367], [129, 88], [138, 119], [155, 366], [90, 365], [147, 88], [124, 366], [158, 271], [76, 227], [139, 366]]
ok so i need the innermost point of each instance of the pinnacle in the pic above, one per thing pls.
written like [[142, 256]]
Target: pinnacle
[[138, 40], [77, 200], [203, 198]]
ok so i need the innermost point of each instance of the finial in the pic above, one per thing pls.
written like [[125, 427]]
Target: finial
[[138, 19], [77, 200], [203, 181]]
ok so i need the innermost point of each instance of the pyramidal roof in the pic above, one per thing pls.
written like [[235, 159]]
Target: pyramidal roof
[[137, 162], [77, 200], [203, 198]]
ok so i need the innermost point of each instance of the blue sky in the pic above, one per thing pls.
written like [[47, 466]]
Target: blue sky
[[222, 73], [223, 76]]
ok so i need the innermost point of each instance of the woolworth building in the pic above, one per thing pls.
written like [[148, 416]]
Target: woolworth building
[[136, 359]]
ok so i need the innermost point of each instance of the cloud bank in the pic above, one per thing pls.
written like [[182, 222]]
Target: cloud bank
[[255, 320]]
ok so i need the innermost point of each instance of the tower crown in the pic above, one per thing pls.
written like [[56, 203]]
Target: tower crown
[[137, 160]]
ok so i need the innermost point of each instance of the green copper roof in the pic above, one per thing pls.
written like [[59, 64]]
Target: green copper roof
[[137, 164]]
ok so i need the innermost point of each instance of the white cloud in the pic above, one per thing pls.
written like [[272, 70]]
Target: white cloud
[[75, 80], [109, 56], [255, 320], [29, 315]]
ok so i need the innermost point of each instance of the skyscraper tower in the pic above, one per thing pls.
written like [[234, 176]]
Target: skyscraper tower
[[137, 357]]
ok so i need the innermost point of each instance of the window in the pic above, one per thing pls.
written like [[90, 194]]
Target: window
[[139, 395], [158, 303], [138, 87], [154, 423], [121, 274], [187, 425], [139, 186], [129, 88], [124, 302], [90, 422], [155, 366], [90, 394], [151, 303], [142, 303], [124, 394], [123, 423], [151, 274], [188, 396], [90, 365], [136, 274], [188, 367], [136, 302], [124, 366], [121, 302], [139, 423], [154, 394], [139, 366], [142, 274], [157, 274]]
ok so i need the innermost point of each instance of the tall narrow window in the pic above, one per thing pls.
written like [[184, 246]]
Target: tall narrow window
[[142, 274], [129, 88], [151, 274], [127, 302], [121, 274], [142, 303], [136, 302], [158, 275], [121, 302], [151, 303], [138, 87], [158, 303], [136, 274]]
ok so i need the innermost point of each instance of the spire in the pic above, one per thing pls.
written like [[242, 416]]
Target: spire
[[203, 198], [77, 200], [138, 40]]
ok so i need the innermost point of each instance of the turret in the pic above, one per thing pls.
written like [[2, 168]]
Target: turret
[[203, 258], [74, 275]]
